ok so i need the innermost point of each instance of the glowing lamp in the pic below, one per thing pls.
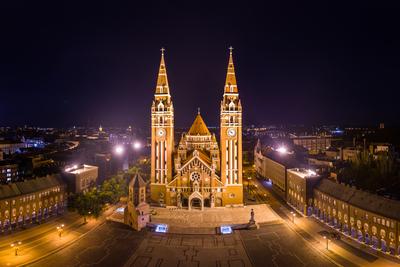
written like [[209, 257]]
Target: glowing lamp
[[282, 150], [226, 229], [161, 228], [119, 150], [137, 145]]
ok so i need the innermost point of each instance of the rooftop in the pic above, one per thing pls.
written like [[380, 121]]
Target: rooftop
[[303, 172], [29, 186], [80, 169], [364, 200], [199, 127]]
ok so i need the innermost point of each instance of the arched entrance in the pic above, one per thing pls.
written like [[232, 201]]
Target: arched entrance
[[196, 201]]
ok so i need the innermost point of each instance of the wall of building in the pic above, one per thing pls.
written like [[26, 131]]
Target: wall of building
[[375, 230], [270, 169], [23, 209]]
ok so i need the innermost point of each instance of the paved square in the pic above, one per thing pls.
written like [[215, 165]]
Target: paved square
[[174, 250], [211, 218]]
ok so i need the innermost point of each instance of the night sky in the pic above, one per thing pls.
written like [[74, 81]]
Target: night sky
[[85, 64]]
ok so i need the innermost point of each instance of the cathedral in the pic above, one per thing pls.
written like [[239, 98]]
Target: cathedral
[[198, 172]]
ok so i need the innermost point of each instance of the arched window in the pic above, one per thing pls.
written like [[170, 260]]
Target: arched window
[[231, 106], [160, 106], [383, 233]]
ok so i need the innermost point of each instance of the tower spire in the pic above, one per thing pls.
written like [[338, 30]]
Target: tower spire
[[230, 83], [162, 79]]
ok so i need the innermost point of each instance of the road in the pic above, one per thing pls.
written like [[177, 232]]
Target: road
[[42, 240]]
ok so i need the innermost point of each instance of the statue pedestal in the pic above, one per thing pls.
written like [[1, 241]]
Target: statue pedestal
[[252, 225]]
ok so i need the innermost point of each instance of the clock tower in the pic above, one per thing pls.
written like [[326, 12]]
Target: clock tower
[[231, 138], [162, 136]]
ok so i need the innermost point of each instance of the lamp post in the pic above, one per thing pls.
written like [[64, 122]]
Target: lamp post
[[327, 242], [60, 230], [293, 215], [16, 245]]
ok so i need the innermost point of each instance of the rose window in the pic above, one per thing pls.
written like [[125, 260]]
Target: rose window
[[195, 177]]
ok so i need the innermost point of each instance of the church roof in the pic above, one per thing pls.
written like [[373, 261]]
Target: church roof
[[162, 79], [199, 127], [230, 82], [137, 181]]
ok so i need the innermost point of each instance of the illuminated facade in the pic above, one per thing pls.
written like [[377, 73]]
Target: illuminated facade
[[198, 172], [370, 219], [31, 201]]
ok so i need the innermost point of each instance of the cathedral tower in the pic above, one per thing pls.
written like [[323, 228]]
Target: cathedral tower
[[231, 138], [162, 136]]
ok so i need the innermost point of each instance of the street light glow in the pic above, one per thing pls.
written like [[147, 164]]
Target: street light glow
[[282, 150], [137, 145], [119, 150]]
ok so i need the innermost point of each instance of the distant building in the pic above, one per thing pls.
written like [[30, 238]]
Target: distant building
[[31, 201], [273, 165], [371, 219], [376, 148], [350, 153], [37, 142], [314, 143], [301, 183], [9, 172], [333, 153], [10, 147], [81, 178], [137, 212]]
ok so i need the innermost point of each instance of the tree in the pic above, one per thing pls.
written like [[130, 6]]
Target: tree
[[371, 172], [89, 204], [114, 188]]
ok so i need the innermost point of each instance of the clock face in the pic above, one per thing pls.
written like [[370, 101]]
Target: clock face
[[231, 132], [160, 132]]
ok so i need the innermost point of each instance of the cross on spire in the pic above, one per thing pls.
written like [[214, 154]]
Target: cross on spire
[[162, 50], [198, 111], [230, 50]]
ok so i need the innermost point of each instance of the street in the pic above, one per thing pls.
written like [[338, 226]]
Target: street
[[43, 240]]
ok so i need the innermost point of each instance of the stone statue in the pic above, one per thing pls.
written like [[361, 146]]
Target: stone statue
[[179, 200], [252, 221]]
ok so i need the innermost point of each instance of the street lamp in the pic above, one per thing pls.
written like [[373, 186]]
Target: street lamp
[[60, 230], [16, 245], [137, 145], [119, 150], [282, 150], [293, 215], [327, 242]]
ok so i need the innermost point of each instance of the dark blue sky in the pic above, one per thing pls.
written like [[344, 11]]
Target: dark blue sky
[[77, 63]]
